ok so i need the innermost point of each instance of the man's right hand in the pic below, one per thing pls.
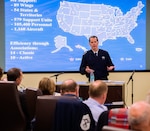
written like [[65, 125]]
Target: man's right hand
[[88, 70]]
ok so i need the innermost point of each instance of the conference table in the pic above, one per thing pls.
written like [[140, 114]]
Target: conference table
[[115, 96]]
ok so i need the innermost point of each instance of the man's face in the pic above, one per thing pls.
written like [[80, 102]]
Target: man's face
[[18, 80], [94, 44]]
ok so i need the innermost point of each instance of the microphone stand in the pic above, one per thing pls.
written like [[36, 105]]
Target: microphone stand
[[56, 75], [131, 78]]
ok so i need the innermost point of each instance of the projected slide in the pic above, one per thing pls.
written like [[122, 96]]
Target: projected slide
[[52, 35]]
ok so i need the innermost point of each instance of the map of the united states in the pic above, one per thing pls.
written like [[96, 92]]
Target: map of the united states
[[105, 21]]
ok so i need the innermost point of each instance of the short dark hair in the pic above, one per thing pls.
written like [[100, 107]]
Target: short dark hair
[[93, 36], [13, 74]]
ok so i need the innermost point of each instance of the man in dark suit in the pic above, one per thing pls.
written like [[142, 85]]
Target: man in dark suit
[[15, 74], [96, 60]]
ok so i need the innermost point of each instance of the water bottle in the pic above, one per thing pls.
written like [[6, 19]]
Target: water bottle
[[92, 78]]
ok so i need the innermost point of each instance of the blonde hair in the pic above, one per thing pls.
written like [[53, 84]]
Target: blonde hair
[[47, 86], [97, 88]]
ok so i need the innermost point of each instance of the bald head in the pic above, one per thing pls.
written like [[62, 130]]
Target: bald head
[[139, 116], [69, 87]]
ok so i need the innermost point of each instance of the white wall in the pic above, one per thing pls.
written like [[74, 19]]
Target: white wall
[[141, 82]]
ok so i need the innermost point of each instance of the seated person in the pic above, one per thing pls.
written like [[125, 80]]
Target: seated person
[[16, 75], [97, 96], [48, 87], [139, 116], [71, 114], [69, 88]]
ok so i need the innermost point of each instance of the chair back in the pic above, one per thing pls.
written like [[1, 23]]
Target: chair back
[[118, 117], [31, 99], [11, 114], [45, 112]]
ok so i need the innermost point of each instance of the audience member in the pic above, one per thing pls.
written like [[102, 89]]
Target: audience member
[[78, 116], [15, 74], [97, 96], [47, 86], [69, 88], [1, 73], [139, 116]]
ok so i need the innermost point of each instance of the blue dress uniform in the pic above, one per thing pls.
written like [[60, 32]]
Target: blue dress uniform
[[97, 62], [71, 114]]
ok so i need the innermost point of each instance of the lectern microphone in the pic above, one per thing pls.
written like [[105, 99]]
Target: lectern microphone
[[57, 74], [130, 77]]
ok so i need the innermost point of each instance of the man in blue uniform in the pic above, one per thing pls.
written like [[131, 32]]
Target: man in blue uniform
[[71, 114], [96, 60]]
